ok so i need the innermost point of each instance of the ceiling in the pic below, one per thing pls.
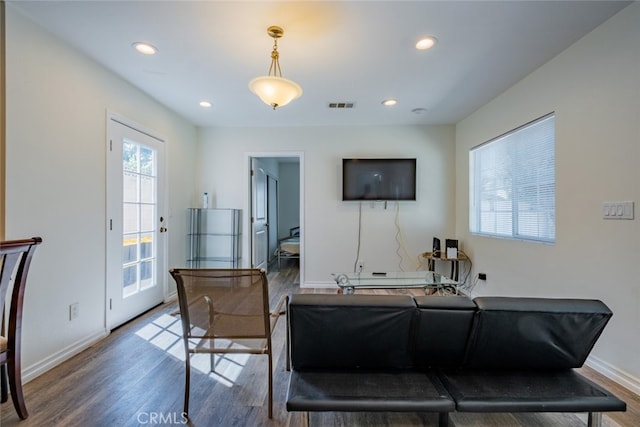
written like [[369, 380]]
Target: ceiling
[[338, 51]]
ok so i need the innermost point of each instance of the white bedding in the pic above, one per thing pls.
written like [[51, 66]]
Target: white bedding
[[291, 246]]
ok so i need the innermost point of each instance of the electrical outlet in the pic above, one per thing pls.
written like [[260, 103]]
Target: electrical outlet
[[360, 265], [74, 310]]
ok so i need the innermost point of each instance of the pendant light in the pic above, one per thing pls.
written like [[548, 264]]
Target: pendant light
[[273, 89]]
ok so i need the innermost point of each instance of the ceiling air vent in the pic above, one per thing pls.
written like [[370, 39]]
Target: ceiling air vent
[[341, 105]]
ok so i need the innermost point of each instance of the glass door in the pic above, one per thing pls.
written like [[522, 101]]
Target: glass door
[[136, 223]]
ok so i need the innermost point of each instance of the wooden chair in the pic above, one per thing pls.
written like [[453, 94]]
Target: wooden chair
[[15, 259], [226, 311]]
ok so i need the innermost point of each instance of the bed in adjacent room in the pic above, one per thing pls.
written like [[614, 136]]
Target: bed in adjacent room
[[289, 247]]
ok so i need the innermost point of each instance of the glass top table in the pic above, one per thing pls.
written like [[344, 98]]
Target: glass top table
[[349, 282]]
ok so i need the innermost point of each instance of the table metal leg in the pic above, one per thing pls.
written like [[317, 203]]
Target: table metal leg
[[595, 419]]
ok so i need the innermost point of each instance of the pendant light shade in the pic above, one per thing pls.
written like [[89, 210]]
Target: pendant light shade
[[273, 89]]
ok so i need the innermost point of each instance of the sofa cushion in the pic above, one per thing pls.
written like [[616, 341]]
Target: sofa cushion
[[386, 391], [442, 330], [351, 331], [504, 390], [538, 333]]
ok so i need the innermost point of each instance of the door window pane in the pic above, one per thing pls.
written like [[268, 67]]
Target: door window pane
[[147, 217], [130, 218], [130, 187], [129, 249], [147, 189], [146, 274], [130, 156], [139, 217], [129, 280], [146, 247]]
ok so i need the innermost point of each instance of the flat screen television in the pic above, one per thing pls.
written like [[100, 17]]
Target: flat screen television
[[378, 179]]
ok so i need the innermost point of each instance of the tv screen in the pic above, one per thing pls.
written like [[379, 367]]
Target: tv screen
[[378, 179]]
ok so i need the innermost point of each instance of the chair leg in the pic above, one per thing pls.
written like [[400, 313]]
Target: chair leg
[[212, 357], [187, 384], [270, 385], [4, 386], [15, 385], [288, 336]]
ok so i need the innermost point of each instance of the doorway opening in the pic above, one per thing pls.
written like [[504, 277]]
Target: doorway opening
[[276, 200]]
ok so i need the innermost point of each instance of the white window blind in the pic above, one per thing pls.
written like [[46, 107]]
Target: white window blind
[[512, 183]]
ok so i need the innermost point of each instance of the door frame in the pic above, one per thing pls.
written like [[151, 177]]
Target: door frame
[[249, 200], [163, 248]]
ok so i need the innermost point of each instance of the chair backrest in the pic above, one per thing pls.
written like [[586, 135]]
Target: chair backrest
[[223, 303], [15, 259]]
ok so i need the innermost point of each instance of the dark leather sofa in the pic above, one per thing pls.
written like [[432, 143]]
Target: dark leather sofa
[[442, 354]]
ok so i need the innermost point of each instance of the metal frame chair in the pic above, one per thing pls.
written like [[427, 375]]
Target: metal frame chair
[[15, 259], [226, 311]]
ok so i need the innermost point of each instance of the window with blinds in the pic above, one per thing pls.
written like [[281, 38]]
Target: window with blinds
[[512, 184]]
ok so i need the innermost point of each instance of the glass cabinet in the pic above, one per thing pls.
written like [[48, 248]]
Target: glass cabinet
[[214, 238]]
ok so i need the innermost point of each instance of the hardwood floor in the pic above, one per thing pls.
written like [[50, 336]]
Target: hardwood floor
[[135, 377]]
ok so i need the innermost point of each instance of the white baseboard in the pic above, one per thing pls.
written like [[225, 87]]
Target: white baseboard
[[614, 374], [57, 358]]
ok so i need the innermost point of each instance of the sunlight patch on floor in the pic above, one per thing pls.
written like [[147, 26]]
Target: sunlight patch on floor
[[165, 333]]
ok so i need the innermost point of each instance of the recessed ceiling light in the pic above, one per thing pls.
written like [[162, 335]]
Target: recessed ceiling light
[[389, 102], [145, 48], [426, 43], [205, 104]]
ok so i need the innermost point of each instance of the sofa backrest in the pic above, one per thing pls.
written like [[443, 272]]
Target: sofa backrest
[[442, 330], [351, 331], [531, 333], [330, 331]]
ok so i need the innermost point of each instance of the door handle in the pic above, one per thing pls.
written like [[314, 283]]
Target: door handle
[[163, 229]]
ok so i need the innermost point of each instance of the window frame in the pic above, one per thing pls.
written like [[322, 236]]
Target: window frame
[[512, 143]]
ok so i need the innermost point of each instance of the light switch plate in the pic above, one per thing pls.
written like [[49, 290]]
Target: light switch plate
[[617, 210]]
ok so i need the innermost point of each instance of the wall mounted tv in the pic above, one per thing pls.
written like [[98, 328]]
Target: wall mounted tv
[[378, 179]]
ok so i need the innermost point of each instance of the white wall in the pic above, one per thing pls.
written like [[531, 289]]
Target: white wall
[[594, 88], [330, 225], [57, 102]]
